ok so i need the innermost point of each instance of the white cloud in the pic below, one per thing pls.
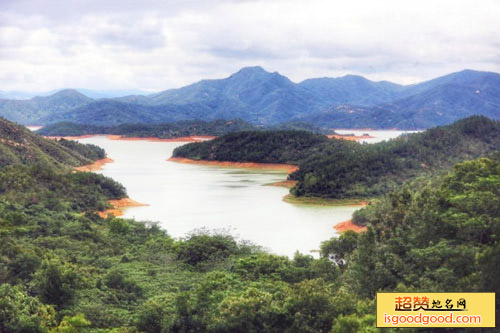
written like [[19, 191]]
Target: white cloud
[[156, 44]]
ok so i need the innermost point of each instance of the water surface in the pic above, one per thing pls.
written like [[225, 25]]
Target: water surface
[[377, 135], [184, 197]]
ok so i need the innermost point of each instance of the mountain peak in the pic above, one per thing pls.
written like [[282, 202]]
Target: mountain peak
[[250, 73], [257, 74], [69, 93], [353, 77], [63, 94], [252, 70]]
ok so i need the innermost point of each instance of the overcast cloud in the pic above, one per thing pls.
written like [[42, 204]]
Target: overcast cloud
[[155, 45]]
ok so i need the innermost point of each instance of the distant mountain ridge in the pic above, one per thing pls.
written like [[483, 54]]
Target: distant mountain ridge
[[266, 98], [112, 93]]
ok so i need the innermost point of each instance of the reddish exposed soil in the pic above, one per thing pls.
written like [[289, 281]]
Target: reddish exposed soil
[[348, 225], [119, 206], [97, 165], [288, 168]]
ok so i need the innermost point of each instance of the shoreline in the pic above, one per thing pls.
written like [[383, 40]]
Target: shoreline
[[119, 205], [348, 225], [349, 137], [288, 168], [97, 165], [284, 183], [192, 138], [324, 201]]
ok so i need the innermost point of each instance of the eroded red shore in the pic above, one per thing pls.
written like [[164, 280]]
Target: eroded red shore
[[288, 168], [97, 165], [119, 206], [350, 137], [73, 137], [193, 138], [348, 225], [284, 183]]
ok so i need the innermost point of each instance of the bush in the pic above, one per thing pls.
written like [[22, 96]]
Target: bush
[[203, 248], [22, 313]]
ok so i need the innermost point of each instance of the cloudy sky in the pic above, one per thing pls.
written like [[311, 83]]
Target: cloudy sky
[[160, 44]]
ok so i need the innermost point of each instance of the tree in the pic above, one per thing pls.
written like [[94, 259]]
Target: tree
[[73, 324], [56, 283], [339, 248], [22, 313]]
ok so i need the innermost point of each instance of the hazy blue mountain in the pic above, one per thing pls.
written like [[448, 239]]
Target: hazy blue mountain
[[467, 77], [32, 111], [436, 102], [20, 95], [442, 101], [266, 98], [112, 112], [252, 94], [352, 89], [96, 94]]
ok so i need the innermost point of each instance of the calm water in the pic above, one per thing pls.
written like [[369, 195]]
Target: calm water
[[184, 197], [378, 135]]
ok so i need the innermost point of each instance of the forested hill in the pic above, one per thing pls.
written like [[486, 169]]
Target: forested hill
[[285, 146], [63, 271], [340, 169], [171, 130], [437, 236], [18, 145], [162, 131]]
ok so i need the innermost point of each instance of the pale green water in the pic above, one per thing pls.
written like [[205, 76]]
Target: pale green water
[[184, 197]]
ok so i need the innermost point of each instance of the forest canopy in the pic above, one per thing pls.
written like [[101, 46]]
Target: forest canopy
[[63, 268], [341, 169]]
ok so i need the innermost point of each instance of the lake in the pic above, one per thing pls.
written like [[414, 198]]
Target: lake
[[184, 197], [376, 135]]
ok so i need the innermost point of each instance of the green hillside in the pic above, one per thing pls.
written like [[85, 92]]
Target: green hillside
[[63, 268], [284, 146], [18, 145], [341, 169], [162, 131]]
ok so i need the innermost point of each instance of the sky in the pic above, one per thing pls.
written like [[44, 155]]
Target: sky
[[160, 44]]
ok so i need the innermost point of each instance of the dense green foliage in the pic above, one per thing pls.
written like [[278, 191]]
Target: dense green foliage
[[67, 268], [342, 169], [39, 184], [265, 98], [163, 131], [255, 146], [170, 130], [442, 237], [18, 145], [90, 151]]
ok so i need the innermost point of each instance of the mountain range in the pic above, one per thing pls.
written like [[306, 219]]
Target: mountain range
[[264, 98]]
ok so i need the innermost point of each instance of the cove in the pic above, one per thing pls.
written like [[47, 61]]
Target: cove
[[185, 197]]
